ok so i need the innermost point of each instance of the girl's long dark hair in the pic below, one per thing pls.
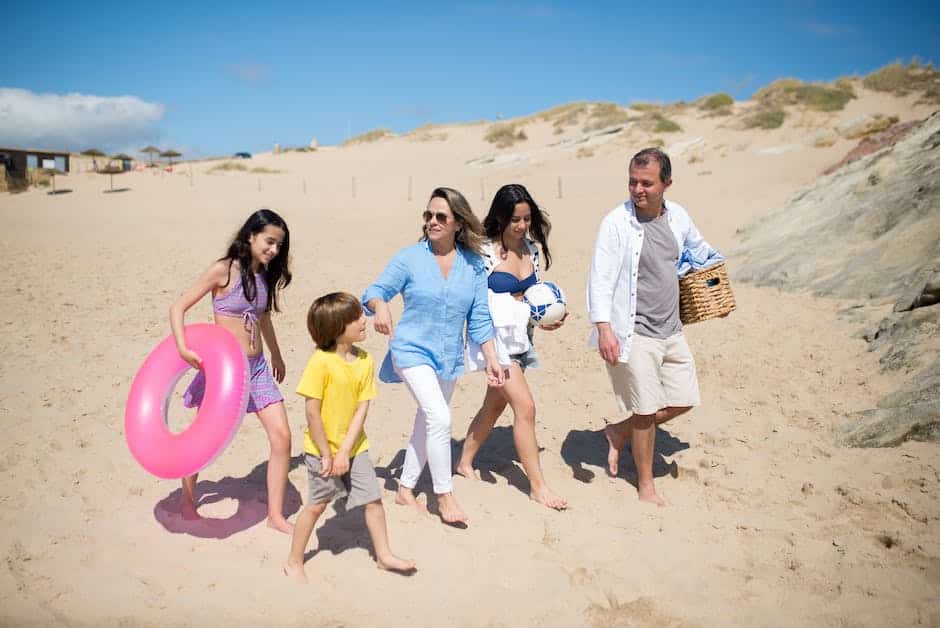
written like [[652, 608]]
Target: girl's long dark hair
[[500, 215], [276, 273]]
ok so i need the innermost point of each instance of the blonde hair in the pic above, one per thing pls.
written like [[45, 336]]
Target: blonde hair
[[470, 235], [328, 316]]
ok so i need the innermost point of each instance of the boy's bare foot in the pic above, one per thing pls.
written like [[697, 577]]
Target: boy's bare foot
[[648, 494], [450, 510], [405, 497], [466, 470], [396, 564], [295, 573], [615, 442], [547, 498], [281, 525]]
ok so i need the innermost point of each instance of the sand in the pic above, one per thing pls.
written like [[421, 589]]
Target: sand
[[770, 522]]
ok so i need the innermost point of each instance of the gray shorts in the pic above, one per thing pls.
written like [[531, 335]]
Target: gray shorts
[[359, 485]]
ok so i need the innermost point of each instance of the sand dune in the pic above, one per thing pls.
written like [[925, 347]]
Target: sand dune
[[771, 522]]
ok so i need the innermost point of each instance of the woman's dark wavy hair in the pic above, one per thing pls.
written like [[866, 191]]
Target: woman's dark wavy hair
[[276, 273], [500, 215]]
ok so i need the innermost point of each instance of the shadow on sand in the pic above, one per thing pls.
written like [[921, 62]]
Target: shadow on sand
[[497, 457], [589, 447], [250, 493]]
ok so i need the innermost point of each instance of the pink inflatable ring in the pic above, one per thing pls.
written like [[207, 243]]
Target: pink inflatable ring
[[169, 455]]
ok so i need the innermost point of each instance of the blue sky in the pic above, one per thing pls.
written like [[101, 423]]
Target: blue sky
[[212, 78]]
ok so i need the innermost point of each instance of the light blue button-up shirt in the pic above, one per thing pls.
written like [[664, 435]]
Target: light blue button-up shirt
[[431, 329]]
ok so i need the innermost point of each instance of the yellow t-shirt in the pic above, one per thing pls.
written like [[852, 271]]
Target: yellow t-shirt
[[340, 386]]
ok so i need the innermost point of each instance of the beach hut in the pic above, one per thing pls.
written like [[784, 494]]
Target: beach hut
[[20, 162]]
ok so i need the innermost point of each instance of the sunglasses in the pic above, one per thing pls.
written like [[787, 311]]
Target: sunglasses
[[440, 217]]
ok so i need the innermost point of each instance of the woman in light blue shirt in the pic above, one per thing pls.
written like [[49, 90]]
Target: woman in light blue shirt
[[443, 284]]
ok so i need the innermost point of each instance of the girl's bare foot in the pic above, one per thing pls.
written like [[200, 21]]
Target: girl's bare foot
[[547, 498], [466, 470], [396, 564], [281, 525], [450, 510], [615, 443], [188, 510], [406, 497], [295, 573]]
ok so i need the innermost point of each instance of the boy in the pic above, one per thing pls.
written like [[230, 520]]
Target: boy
[[338, 384]]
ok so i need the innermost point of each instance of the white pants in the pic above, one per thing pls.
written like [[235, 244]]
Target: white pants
[[430, 437]]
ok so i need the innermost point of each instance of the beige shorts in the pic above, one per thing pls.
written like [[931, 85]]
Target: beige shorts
[[359, 485], [659, 374]]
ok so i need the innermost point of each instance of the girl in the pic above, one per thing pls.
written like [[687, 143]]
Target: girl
[[244, 285], [512, 265], [443, 284]]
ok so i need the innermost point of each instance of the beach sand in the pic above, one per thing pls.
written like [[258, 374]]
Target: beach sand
[[770, 522]]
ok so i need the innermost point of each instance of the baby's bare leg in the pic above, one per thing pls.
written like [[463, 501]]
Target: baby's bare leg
[[188, 498]]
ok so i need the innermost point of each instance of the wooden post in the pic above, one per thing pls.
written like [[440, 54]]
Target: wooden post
[[409, 187], [559, 186]]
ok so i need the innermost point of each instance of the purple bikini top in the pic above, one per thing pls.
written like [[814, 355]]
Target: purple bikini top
[[234, 303]]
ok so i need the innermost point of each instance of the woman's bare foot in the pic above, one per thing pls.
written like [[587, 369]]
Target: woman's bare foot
[[396, 564], [547, 498], [295, 573], [281, 525], [648, 494], [466, 470], [616, 442], [406, 497], [450, 510]]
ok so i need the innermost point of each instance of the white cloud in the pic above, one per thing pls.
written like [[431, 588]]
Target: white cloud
[[75, 121]]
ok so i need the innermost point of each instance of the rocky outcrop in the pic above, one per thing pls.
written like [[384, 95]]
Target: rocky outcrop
[[870, 230]]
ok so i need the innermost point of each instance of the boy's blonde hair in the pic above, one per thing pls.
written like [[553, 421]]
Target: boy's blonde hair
[[328, 316]]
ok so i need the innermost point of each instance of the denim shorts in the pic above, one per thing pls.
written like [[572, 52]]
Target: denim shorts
[[529, 359]]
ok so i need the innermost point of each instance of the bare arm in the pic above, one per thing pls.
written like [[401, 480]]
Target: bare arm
[[216, 276], [341, 460], [318, 434], [270, 339]]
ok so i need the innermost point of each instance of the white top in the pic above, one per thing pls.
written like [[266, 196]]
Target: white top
[[611, 286]]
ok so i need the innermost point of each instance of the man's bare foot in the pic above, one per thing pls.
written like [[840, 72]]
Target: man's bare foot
[[648, 494], [281, 525], [406, 497], [295, 573], [396, 564], [615, 442], [188, 510], [450, 510], [547, 498], [466, 470]]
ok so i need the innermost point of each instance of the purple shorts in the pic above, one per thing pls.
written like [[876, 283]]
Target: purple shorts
[[262, 389]]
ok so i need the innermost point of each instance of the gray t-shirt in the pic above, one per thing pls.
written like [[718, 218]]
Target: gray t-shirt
[[657, 291]]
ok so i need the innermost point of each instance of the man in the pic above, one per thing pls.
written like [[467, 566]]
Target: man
[[633, 302]]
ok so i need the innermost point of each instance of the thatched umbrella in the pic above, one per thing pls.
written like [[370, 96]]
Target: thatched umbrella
[[170, 154], [93, 152], [53, 172], [111, 169], [150, 150]]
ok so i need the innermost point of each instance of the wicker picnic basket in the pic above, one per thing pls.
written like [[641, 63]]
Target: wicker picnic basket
[[705, 294]]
